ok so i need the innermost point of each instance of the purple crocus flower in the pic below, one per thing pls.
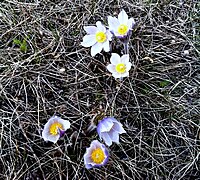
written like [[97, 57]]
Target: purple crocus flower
[[109, 129], [55, 128], [96, 155]]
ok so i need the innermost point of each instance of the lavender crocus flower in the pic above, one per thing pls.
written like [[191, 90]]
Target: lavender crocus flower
[[54, 129], [96, 155], [109, 129]]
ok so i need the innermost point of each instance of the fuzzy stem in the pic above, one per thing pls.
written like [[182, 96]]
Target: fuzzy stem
[[126, 48]]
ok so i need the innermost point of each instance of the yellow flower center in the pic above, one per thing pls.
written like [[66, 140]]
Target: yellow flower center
[[122, 29], [120, 68], [54, 128], [98, 156], [100, 37]]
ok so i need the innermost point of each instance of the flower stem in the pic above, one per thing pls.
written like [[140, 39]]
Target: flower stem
[[126, 48]]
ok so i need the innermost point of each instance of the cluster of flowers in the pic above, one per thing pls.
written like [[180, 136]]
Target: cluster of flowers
[[98, 38], [108, 128], [97, 154]]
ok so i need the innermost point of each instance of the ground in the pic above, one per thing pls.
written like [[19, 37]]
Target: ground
[[45, 71]]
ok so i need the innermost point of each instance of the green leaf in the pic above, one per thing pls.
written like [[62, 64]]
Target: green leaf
[[17, 41], [164, 83], [23, 46]]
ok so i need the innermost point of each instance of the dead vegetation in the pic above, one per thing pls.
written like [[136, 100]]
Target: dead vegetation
[[44, 71]]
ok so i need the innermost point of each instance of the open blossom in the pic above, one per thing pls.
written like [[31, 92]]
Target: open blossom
[[119, 66], [55, 128], [109, 129], [98, 37], [96, 155], [121, 26]]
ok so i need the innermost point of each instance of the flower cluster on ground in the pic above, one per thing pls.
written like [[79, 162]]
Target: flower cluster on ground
[[108, 129]]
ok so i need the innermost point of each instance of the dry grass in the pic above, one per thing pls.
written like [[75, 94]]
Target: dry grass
[[159, 104]]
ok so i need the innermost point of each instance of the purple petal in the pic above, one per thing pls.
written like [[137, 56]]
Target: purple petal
[[105, 125], [106, 138], [61, 132], [118, 127]]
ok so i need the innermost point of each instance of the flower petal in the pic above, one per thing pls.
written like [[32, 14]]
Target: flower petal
[[113, 23], [116, 75], [131, 23], [88, 40], [128, 66], [118, 127], [106, 138], [123, 17], [90, 29], [125, 58], [109, 35], [100, 27], [126, 74], [96, 48], [111, 68], [106, 46], [105, 125], [115, 59], [53, 139], [114, 135]]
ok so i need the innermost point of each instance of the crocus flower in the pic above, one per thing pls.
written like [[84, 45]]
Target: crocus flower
[[96, 155], [55, 128], [122, 26], [109, 129], [98, 37], [119, 66]]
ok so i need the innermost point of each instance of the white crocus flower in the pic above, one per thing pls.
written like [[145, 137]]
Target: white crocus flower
[[119, 66], [98, 37], [122, 26], [54, 129]]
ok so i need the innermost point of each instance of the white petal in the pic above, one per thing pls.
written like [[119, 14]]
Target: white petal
[[100, 26], [113, 23], [125, 58], [116, 75], [109, 35], [126, 74], [118, 127], [106, 46], [53, 138], [107, 139], [128, 66], [115, 59], [96, 48], [114, 135], [131, 23], [90, 29], [111, 68], [123, 17], [65, 124], [88, 40]]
